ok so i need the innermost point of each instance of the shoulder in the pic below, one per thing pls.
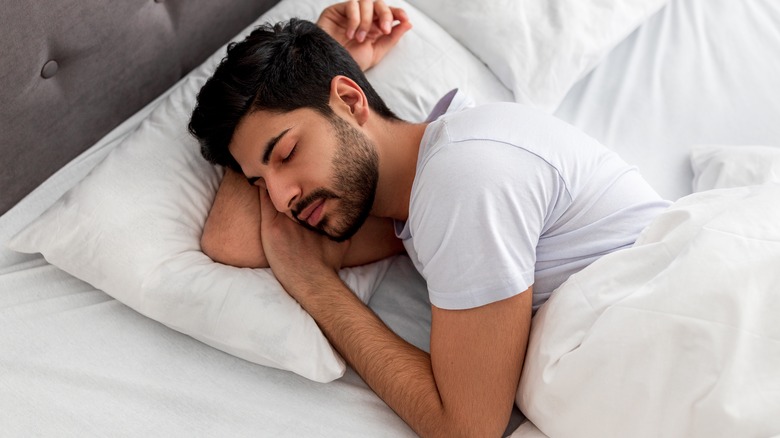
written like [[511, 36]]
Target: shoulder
[[470, 182], [522, 126], [499, 120], [480, 149], [479, 165], [557, 146]]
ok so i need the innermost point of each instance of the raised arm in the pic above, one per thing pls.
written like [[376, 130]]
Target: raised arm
[[367, 29]]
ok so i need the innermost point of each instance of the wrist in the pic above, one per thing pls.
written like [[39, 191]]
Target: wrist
[[311, 281]]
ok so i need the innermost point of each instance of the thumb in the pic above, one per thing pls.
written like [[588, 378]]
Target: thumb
[[387, 42]]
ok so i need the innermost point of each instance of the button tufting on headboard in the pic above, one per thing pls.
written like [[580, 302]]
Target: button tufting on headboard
[[108, 63], [49, 69]]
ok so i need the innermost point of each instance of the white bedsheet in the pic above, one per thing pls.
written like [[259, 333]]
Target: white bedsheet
[[73, 361]]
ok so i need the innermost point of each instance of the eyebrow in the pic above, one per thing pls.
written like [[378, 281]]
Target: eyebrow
[[269, 148]]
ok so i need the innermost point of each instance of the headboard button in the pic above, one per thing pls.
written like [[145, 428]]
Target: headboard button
[[49, 69]]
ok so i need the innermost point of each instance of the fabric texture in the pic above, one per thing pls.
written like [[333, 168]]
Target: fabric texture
[[74, 69], [724, 166], [76, 363], [683, 79], [678, 334], [540, 48], [132, 227], [533, 197]]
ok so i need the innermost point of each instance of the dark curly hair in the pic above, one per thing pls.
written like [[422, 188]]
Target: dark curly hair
[[280, 68]]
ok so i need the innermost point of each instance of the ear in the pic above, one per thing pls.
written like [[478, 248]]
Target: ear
[[348, 100]]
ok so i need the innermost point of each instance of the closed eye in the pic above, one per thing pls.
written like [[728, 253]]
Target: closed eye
[[290, 155]]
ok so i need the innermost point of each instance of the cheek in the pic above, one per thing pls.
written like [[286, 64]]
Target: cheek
[[303, 175], [319, 171]]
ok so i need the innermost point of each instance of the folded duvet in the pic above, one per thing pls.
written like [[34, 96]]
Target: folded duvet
[[677, 336]]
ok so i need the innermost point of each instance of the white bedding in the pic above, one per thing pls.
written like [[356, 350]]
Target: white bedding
[[680, 333], [699, 72], [73, 361]]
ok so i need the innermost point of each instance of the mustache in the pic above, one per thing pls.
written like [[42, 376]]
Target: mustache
[[316, 195]]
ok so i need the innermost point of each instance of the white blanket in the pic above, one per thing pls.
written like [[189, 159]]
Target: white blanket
[[676, 336]]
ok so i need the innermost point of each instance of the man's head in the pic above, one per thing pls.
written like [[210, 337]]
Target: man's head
[[272, 96]]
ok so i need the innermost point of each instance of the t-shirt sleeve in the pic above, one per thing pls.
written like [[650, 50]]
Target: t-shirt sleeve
[[476, 218]]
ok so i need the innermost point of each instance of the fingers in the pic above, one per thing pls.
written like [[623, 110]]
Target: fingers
[[352, 11], [384, 16], [366, 18], [362, 16], [387, 42], [399, 15]]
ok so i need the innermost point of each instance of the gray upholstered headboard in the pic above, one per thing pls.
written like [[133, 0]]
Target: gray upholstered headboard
[[71, 70]]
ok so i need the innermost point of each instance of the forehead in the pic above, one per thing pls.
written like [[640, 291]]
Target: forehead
[[260, 126]]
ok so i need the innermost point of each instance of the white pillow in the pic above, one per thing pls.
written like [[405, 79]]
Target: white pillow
[[724, 166], [428, 63], [540, 48], [132, 227]]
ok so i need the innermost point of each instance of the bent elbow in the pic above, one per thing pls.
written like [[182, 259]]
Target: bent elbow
[[225, 251]]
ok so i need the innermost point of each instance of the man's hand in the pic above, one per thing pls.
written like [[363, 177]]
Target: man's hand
[[299, 258], [367, 29]]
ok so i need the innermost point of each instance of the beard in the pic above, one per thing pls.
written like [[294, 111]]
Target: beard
[[355, 176]]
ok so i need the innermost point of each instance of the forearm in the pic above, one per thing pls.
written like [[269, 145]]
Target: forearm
[[464, 388], [398, 372], [231, 234]]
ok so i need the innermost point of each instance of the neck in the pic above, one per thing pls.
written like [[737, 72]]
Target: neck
[[398, 144]]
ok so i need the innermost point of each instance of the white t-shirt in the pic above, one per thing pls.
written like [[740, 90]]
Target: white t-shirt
[[506, 197]]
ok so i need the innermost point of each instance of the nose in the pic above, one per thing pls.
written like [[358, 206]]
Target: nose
[[283, 193]]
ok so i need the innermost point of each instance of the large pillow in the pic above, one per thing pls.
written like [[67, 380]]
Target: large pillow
[[676, 336], [726, 166], [132, 227], [540, 48]]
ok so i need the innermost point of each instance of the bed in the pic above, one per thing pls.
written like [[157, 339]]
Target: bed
[[687, 93]]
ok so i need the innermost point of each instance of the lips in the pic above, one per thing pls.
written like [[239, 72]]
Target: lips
[[312, 213], [315, 215]]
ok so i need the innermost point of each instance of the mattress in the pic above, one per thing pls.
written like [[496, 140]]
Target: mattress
[[74, 361]]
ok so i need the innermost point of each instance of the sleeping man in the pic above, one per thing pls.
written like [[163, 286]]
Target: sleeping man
[[496, 205]]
